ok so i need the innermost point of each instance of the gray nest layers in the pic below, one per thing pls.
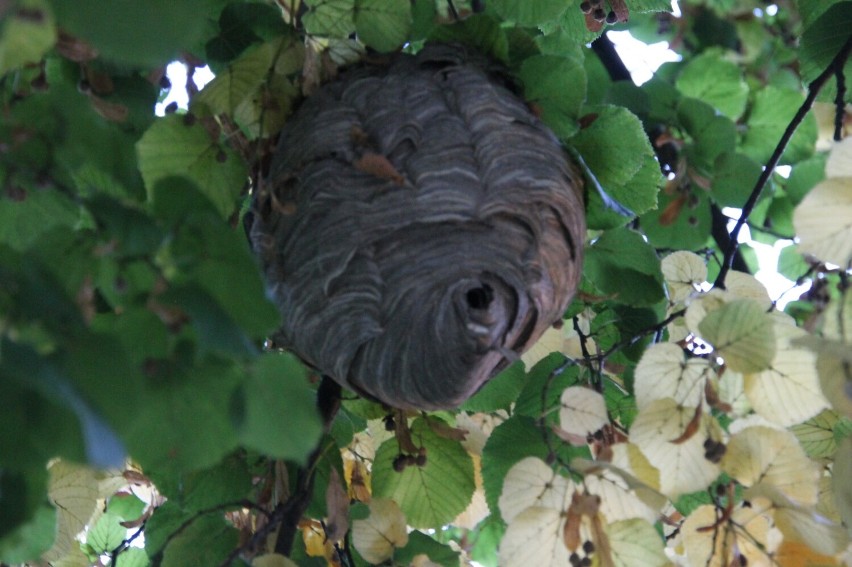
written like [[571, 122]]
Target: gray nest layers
[[419, 228]]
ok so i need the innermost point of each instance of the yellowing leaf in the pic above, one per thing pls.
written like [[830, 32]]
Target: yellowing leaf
[[618, 501], [664, 372], [712, 543], [682, 465], [816, 435], [819, 533], [739, 285], [788, 392], [553, 340], [530, 482], [534, 537], [835, 378], [772, 456], [583, 411], [628, 457], [795, 554], [842, 480], [635, 543], [272, 560], [731, 391], [742, 333], [376, 537], [839, 162], [823, 221], [683, 272], [73, 490]]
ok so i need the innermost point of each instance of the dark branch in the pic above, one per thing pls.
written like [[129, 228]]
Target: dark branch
[[813, 90], [605, 50]]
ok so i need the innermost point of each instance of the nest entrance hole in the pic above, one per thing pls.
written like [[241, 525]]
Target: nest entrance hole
[[480, 297]]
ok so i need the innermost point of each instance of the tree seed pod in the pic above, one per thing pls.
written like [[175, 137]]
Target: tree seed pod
[[419, 228]]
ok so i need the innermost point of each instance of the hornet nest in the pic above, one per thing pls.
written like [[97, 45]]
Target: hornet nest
[[419, 228]]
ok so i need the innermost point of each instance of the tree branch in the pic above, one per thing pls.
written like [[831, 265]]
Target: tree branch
[[813, 90]]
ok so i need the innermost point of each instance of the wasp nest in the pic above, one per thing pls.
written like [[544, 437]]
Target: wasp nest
[[419, 228]]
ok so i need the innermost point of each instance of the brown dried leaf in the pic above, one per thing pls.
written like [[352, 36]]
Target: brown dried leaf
[[442, 429], [74, 49], [337, 503], [672, 211], [112, 111], [379, 166], [691, 427]]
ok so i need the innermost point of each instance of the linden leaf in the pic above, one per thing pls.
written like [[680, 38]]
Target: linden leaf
[[272, 560], [804, 526], [839, 162], [530, 482], [583, 411], [710, 543], [376, 537], [823, 221], [534, 537], [683, 272], [742, 333], [73, 490], [664, 372], [788, 392], [816, 435], [635, 542], [618, 501], [682, 465], [772, 456]]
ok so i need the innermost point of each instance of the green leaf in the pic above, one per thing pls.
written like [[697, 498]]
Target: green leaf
[[622, 264], [208, 540], [480, 31], [500, 391], [690, 229], [33, 213], [558, 86], [227, 482], [421, 544], [107, 534], [617, 151], [742, 333], [816, 435], [277, 386], [123, 33], [771, 112], [712, 133], [791, 264], [330, 18], [27, 32], [132, 557], [126, 506], [734, 179], [804, 177], [431, 495], [383, 24], [712, 78], [182, 420], [30, 539], [526, 13], [822, 41], [178, 145]]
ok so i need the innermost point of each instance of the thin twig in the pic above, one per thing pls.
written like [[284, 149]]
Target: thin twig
[[633, 339], [813, 90]]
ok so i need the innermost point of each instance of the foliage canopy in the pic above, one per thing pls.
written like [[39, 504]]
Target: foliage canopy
[[669, 419]]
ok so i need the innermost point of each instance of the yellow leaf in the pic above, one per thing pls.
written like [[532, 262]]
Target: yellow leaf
[[739, 285], [772, 456], [376, 537], [664, 372], [553, 340], [534, 537], [731, 390], [835, 380], [742, 333], [627, 456], [635, 543], [583, 411], [618, 501], [530, 482], [796, 554], [73, 490], [684, 273], [839, 162], [709, 542], [823, 221], [682, 465], [477, 510], [788, 392]]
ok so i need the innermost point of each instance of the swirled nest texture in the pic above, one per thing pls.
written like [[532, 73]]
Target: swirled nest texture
[[419, 228]]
